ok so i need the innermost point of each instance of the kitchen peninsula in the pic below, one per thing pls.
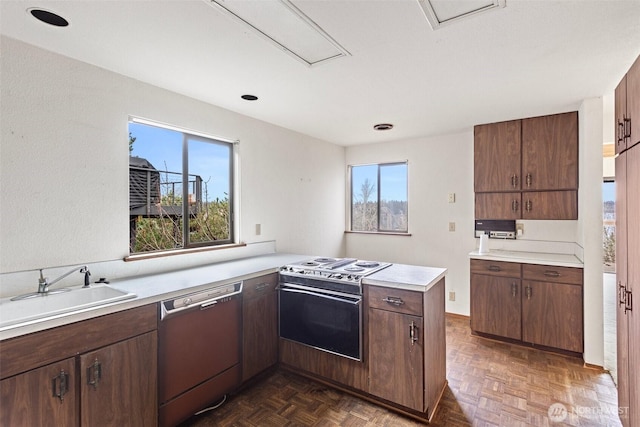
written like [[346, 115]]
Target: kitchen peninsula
[[402, 368]]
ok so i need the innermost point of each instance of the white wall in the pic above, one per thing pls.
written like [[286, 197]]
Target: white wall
[[64, 168], [437, 166], [590, 226]]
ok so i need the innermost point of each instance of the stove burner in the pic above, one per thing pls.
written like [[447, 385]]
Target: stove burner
[[324, 260], [354, 269], [309, 264], [367, 264]]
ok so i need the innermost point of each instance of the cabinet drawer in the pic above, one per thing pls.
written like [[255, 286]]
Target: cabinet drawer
[[550, 273], [495, 268], [257, 286], [398, 300]]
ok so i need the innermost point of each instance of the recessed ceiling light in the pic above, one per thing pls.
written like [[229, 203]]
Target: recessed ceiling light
[[48, 17], [383, 126], [249, 97]]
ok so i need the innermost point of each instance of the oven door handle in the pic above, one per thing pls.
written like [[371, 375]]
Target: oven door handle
[[320, 295]]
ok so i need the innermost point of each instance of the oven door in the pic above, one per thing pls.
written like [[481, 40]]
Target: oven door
[[326, 320]]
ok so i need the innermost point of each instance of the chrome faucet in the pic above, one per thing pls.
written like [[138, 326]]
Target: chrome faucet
[[44, 284]]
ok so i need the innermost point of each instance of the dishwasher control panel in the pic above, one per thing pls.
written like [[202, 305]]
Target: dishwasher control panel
[[204, 298]]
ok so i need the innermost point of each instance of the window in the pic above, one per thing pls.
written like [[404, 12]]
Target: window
[[609, 222], [180, 189], [379, 197]]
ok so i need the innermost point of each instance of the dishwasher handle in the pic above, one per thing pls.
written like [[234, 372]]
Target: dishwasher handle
[[202, 304]]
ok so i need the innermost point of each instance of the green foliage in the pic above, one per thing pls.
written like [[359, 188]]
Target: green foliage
[[208, 223], [609, 245], [132, 139]]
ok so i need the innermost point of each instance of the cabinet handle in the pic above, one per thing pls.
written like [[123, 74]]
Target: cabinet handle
[[528, 206], [413, 333], [622, 295], [514, 181], [551, 273], [494, 268], [628, 303], [622, 126], [94, 374], [261, 287], [529, 179], [60, 385], [514, 205], [514, 289], [627, 127], [393, 300], [528, 292]]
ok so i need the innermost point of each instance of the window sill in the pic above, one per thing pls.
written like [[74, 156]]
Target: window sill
[[174, 252], [383, 233]]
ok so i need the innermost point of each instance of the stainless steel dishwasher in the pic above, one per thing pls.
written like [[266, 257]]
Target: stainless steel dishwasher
[[199, 347]]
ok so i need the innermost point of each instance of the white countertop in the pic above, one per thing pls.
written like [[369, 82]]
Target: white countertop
[[157, 287], [410, 277], [153, 288], [560, 260]]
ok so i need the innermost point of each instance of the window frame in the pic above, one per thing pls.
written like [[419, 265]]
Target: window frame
[[187, 136], [350, 192]]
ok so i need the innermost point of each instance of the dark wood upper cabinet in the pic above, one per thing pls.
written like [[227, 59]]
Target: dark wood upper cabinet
[[550, 152], [497, 157], [620, 115], [527, 169], [633, 104]]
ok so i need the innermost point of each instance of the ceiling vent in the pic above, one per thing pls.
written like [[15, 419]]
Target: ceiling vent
[[441, 12], [283, 24]]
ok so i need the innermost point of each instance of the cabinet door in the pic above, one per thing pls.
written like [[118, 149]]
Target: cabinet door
[[550, 152], [33, 398], [550, 205], [633, 104], [633, 280], [622, 319], [498, 206], [497, 157], [260, 333], [396, 370], [552, 315], [118, 384], [495, 305], [620, 115]]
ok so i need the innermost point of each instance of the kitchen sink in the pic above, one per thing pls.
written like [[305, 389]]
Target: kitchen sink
[[50, 305]]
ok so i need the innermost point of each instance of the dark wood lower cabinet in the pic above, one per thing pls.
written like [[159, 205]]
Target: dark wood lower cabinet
[[119, 384], [260, 325], [41, 397], [396, 359], [496, 306], [104, 372], [535, 304], [552, 315]]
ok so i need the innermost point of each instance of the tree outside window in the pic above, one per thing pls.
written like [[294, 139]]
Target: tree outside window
[[379, 197]]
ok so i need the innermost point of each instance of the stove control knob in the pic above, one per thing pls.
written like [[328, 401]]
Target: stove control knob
[[337, 276]]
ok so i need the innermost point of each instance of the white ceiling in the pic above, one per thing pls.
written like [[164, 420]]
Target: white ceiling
[[529, 58]]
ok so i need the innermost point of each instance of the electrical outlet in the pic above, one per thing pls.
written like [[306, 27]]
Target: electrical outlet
[[452, 197], [452, 296], [452, 226], [519, 229]]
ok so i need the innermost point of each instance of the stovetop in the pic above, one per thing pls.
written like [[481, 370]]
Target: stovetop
[[340, 274]]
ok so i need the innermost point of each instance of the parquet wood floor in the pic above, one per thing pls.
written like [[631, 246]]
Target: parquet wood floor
[[490, 384]]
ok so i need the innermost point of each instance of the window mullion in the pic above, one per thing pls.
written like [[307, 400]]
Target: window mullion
[[378, 200], [185, 191]]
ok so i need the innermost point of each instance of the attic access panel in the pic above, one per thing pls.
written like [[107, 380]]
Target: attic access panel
[[440, 12], [286, 26]]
